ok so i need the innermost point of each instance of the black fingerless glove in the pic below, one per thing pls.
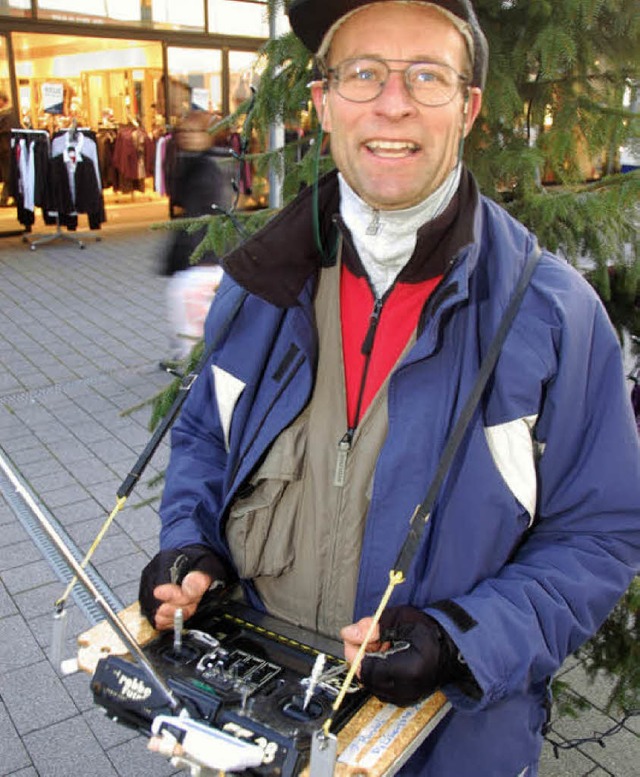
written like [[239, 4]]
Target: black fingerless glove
[[422, 658], [171, 566]]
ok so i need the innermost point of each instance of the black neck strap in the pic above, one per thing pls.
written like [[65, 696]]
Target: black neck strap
[[423, 511]]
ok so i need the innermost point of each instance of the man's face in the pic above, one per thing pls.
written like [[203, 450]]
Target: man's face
[[393, 151]]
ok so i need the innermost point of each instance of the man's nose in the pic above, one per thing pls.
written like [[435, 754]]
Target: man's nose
[[395, 98]]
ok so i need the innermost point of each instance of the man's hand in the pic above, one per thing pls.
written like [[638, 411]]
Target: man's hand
[[353, 637], [178, 577], [408, 657], [186, 596]]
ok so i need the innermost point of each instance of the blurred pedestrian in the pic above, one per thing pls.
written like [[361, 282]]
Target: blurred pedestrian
[[203, 180]]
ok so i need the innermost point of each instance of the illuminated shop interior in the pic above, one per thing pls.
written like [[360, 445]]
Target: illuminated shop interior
[[113, 63]]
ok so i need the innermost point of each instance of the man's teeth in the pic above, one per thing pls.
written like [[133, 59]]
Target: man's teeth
[[392, 147]]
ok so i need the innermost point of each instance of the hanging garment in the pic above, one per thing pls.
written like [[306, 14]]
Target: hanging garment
[[133, 158], [29, 172], [75, 185]]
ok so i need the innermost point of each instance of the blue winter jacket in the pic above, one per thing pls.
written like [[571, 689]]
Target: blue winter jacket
[[535, 533]]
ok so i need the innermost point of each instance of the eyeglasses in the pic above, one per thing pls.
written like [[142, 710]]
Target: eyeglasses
[[362, 80]]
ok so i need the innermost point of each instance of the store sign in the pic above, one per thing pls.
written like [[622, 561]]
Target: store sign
[[200, 99], [52, 98]]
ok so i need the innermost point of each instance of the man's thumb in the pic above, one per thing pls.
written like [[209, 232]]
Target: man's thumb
[[195, 584]]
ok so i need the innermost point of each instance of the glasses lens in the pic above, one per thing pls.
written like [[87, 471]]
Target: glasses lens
[[361, 80], [431, 83]]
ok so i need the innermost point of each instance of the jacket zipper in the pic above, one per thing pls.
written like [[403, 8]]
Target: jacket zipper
[[346, 441]]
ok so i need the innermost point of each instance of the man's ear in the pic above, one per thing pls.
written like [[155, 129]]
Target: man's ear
[[472, 106], [319, 97]]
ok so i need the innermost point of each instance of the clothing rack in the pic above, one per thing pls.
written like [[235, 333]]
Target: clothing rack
[[49, 237], [72, 132]]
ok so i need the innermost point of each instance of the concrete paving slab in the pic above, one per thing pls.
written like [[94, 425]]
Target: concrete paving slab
[[150, 546], [24, 577], [40, 600], [621, 759], [108, 733], [18, 646], [57, 477], [132, 759], [35, 683], [15, 555], [84, 532], [598, 689], [67, 748], [123, 569], [119, 546], [110, 450], [66, 451], [77, 686], [7, 605], [139, 523], [59, 499], [11, 535], [571, 763], [6, 514], [34, 455], [84, 508], [9, 383], [45, 467], [128, 592], [28, 772], [14, 753], [19, 441]]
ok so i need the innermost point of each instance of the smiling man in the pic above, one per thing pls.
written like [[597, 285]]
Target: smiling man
[[395, 148], [350, 334]]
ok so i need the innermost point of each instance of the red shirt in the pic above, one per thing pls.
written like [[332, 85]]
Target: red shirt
[[397, 322]]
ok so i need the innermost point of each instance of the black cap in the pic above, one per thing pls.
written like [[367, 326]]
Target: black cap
[[312, 19]]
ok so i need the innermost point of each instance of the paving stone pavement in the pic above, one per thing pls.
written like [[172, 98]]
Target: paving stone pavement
[[81, 335]]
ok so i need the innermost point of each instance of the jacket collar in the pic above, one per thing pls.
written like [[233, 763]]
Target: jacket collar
[[277, 261]]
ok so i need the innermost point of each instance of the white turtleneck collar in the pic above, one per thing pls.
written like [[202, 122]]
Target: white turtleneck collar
[[386, 239]]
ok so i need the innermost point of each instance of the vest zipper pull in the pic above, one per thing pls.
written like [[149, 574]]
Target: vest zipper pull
[[344, 446], [367, 345]]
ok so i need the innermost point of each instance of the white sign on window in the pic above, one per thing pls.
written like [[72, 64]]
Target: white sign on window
[[200, 99], [52, 98]]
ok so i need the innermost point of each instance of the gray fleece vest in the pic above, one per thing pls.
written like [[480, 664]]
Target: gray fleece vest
[[298, 535]]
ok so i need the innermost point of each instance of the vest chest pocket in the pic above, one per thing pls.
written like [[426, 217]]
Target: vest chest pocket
[[261, 525]]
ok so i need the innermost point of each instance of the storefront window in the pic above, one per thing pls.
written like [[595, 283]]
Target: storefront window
[[244, 72], [90, 10], [185, 14], [195, 81], [15, 8], [94, 81], [162, 14], [239, 17]]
